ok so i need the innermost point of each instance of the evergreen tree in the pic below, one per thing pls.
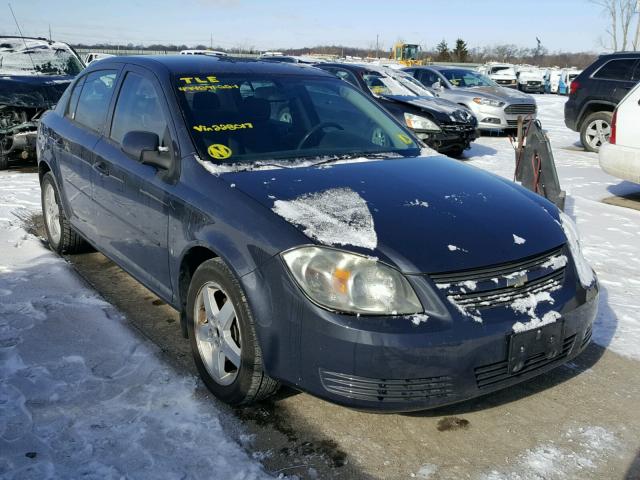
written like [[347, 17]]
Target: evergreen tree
[[461, 52], [442, 50]]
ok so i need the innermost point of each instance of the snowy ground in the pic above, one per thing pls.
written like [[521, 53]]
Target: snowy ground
[[609, 233], [81, 394]]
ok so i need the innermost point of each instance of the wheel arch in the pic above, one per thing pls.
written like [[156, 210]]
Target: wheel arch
[[594, 107], [192, 258]]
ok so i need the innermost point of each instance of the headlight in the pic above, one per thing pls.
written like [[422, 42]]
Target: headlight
[[351, 283], [487, 101], [585, 272], [416, 122]]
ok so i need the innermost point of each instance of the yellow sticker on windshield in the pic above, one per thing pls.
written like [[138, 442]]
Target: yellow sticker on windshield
[[405, 139], [219, 151]]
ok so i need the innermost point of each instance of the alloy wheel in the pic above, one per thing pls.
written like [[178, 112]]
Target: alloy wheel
[[52, 213], [217, 333], [597, 133]]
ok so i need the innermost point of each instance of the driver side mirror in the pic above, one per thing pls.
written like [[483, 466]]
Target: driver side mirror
[[437, 85], [145, 148]]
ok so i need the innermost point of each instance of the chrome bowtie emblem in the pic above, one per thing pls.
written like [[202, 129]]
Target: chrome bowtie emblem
[[517, 281]]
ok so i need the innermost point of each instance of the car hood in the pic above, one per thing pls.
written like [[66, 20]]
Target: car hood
[[508, 95], [424, 215], [42, 91], [427, 103]]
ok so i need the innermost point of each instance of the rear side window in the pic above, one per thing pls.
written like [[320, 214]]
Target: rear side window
[[347, 76], [138, 109], [621, 69], [94, 99]]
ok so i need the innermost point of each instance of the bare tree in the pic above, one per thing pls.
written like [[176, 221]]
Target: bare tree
[[610, 7], [621, 14], [636, 40]]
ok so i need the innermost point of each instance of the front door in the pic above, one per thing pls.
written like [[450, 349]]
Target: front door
[[131, 198]]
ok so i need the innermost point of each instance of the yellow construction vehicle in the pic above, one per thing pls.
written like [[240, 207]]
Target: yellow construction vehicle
[[406, 54]]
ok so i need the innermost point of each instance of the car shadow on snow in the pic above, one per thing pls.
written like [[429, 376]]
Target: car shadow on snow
[[634, 469], [625, 189], [478, 150]]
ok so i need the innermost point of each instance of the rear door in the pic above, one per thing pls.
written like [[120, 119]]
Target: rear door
[[131, 198], [85, 119]]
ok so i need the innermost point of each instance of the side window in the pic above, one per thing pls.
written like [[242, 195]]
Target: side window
[[138, 109], [94, 99], [347, 77], [70, 112], [428, 78], [616, 69]]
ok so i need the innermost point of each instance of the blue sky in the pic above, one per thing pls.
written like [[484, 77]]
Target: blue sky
[[570, 25]]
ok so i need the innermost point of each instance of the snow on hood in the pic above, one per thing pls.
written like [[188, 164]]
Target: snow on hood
[[467, 208], [337, 216]]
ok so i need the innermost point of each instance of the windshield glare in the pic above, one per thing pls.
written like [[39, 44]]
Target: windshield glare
[[39, 60], [251, 118], [467, 79]]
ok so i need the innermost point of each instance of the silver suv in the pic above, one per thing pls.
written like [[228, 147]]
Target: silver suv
[[496, 108]]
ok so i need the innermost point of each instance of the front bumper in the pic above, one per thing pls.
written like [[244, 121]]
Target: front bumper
[[532, 88], [497, 119], [452, 137], [389, 363]]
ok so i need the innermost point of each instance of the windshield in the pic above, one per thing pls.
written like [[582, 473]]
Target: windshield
[[38, 59], [257, 118], [466, 78], [410, 52], [503, 70]]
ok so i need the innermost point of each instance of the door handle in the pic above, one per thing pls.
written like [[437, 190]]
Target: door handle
[[101, 168]]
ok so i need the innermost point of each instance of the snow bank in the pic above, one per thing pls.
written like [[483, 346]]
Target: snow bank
[[337, 216], [81, 395]]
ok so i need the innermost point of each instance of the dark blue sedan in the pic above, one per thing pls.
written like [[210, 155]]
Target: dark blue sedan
[[304, 239]]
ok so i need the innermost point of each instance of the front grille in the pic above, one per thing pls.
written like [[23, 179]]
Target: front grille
[[505, 296], [458, 128], [534, 84], [383, 390], [512, 123], [499, 285], [505, 82], [496, 374], [521, 109]]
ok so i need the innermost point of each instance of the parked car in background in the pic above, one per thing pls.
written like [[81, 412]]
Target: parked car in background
[[531, 80], [287, 59], [620, 156], [552, 80], [503, 74], [386, 282], [495, 107], [441, 124], [34, 73], [567, 76], [92, 56], [596, 92]]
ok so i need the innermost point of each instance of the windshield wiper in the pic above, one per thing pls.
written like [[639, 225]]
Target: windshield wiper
[[367, 155]]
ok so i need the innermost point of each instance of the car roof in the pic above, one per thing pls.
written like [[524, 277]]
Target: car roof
[[193, 64]]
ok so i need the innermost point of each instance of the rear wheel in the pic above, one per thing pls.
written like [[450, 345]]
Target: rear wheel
[[61, 236], [596, 130], [222, 336]]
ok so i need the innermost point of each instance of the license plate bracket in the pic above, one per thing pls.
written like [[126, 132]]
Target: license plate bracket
[[544, 343]]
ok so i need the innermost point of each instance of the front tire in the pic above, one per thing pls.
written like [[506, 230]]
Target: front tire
[[61, 236], [596, 130], [222, 336]]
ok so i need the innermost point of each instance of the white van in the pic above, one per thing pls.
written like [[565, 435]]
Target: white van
[[503, 74], [621, 156]]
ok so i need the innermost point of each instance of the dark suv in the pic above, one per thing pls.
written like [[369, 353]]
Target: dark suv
[[595, 94]]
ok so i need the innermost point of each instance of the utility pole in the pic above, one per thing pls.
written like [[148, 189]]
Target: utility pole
[[378, 44], [50, 31], [211, 42]]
